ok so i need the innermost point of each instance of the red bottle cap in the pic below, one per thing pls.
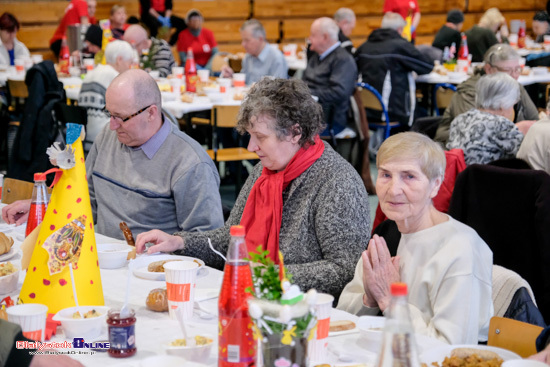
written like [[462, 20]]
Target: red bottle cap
[[398, 289], [237, 231], [39, 176]]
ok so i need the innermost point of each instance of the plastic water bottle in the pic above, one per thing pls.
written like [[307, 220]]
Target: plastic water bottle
[[237, 347], [398, 344]]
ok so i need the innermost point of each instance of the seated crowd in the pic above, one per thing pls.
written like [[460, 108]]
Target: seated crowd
[[303, 198]]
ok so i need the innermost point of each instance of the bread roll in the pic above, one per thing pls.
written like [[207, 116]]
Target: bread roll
[[481, 353], [157, 266], [157, 300], [341, 325], [5, 243]]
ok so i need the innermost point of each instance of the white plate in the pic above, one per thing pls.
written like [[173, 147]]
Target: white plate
[[439, 354], [8, 255], [140, 264], [371, 326]]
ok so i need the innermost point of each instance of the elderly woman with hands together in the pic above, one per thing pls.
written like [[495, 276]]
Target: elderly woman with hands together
[[446, 265]]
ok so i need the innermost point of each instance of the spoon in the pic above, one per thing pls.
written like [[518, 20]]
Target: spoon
[[125, 310], [74, 290], [179, 315]]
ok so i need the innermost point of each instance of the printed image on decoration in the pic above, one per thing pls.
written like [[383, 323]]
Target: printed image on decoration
[[284, 316], [66, 236]]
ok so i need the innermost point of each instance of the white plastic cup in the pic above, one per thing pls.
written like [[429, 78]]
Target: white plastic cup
[[180, 287], [176, 83], [32, 319], [290, 50], [522, 62], [177, 72], [203, 74], [225, 84], [462, 66], [547, 40], [19, 66], [513, 39], [89, 64], [37, 59], [155, 74], [318, 346], [1, 184], [239, 80]]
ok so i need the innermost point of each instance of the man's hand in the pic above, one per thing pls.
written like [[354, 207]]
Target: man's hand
[[227, 72], [163, 242], [17, 212]]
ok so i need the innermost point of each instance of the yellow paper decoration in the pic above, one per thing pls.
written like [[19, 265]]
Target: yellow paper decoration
[[70, 200]]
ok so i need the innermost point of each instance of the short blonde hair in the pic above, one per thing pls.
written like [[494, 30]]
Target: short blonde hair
[[415, 146], [492, 19]]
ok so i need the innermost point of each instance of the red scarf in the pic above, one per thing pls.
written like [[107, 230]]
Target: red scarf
[[263, 211]]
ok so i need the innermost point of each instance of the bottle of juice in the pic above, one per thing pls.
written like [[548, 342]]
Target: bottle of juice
[[39, 202], [463, 51], [190, 71], [64, 57], [521, 35], [237, 347]]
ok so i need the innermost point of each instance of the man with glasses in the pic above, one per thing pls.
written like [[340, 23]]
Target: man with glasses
[[142, 170], [499, 58]]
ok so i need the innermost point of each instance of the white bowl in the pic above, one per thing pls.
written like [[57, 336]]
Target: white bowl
[[539, 70], [197, 353], [215, 97], [82, 328], [8, 283], [113, 255], [371, 326]]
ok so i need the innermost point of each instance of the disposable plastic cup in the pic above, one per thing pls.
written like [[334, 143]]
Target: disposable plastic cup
[[238, 80], [177, 72], [176, 83], [89, 64], [180, 286], [318, 346], [32, 319], [19, 65], [224, 84], [203, 75]]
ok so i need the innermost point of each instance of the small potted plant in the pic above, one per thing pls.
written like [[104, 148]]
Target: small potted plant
[[283, 314]]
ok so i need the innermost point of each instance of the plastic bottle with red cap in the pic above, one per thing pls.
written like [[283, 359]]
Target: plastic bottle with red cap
[[398, 344], [39, 203], [237, 347], [190, 71]]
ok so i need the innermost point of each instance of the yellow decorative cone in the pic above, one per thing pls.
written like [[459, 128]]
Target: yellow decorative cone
[[67, 233]]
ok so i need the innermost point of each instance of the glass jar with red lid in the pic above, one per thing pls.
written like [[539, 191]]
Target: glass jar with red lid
[[122, 336]]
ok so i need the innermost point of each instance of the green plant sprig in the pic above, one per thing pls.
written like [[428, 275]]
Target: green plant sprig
[[265, 276]]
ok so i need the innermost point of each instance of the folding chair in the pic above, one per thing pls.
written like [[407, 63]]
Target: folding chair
[[516, 336], [443, 92], [372, 99]]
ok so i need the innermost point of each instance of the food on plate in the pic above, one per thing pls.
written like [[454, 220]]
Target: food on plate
[[341, 325], [187, 97], [165, 87], [157, 300], [88, 315], [199, 340], [6, 243], [7, 269], [469, 357], [157, 266], [127, 234], [238, 96]]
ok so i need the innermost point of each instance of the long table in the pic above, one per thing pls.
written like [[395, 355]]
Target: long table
[[156, 329], [435, 78]]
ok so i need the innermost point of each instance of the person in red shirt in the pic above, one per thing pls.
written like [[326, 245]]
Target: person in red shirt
[[201, 41], [158, 13], [404, 8], [77, 12]]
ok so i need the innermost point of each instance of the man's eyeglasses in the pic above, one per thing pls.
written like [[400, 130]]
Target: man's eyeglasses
[[120, 119], [515, 70]]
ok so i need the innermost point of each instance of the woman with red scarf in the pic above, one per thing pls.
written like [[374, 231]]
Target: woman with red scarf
[[302, 198]]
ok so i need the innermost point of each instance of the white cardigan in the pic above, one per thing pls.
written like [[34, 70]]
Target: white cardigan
[[20, 51]]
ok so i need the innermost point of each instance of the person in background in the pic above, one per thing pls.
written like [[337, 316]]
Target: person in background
[[345, 19], [535, 147], [260, 59], [330, 74], [405, 8], [118, 21], [499, 58], [143, 170], [313, 205], [77, 12], [449, 33], [446, 265], [386, 61], [153, 52], [199, 39], [490, 30], [158, 13], [541, 26], [10, 47], [487, 133], [119, 56]]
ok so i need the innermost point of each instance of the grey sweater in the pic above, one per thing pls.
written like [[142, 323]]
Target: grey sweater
[[177, 189], [324, 229]]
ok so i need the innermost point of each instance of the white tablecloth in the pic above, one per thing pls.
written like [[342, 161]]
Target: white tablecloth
[[155, 329], [435, 78]]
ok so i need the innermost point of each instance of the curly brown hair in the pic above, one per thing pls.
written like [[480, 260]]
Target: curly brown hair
[[289, 103]]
